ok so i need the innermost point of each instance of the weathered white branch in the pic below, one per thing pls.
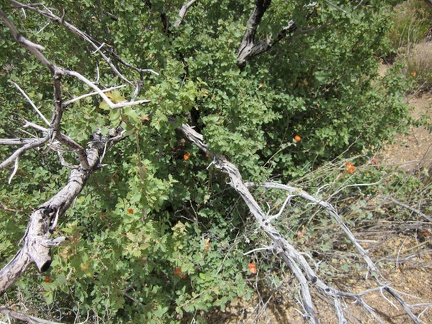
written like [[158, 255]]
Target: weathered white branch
[[32, 47], [183, 12], [67, 103], [293, 258], [35, 126], [37, 239], [15, 141], [15, 169], [31, 103], [10, 313], [96, 45], [35, 143], [429, 218], [102, 94]]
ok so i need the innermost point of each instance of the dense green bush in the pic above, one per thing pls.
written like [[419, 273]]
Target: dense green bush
[[156, 236]]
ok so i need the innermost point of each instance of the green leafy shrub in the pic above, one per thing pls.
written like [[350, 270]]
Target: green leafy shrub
[[156, 235]]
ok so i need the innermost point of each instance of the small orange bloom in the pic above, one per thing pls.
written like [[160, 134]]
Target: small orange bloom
[[177, 271], [351, 169], [47, 279], [297, 138], [414, 73], [130, 211], [186, 156], [252, 268], [348, 164]]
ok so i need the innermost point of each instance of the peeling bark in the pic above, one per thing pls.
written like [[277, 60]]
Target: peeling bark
[[37, 240], [249, 47]]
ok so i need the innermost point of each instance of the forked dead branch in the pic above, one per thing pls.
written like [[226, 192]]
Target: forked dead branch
[[306, 276]]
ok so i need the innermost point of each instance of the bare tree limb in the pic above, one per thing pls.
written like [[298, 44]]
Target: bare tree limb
[[32, 144], [249, 47], [31, 103], [429, 218], [96, 45], [37, 241], [8, 312], [183, 12], [296, 261], [16, 141]]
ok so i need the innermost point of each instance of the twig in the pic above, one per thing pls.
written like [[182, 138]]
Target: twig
[[35, 143], [35, 126], [31, 103], [67, 103], [14, 170], [406, 206], [102, 94]]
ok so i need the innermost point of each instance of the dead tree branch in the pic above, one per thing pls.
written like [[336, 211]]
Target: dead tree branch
[[249, 46], [183, 12], [10, 313], [37, 240], [296, 261], [98, 46]]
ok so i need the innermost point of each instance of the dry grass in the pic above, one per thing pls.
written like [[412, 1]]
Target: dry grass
[[411, 23], [419, 65]]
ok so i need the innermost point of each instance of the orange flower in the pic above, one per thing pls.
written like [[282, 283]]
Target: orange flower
[[186, 156], [177, 271], [414, 73], [47, 279], [252, 268], [297, 138], [351, 169], [348, 164], [130, 211]]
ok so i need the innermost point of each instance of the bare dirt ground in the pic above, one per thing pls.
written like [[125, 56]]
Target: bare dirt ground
[[403, 255]]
